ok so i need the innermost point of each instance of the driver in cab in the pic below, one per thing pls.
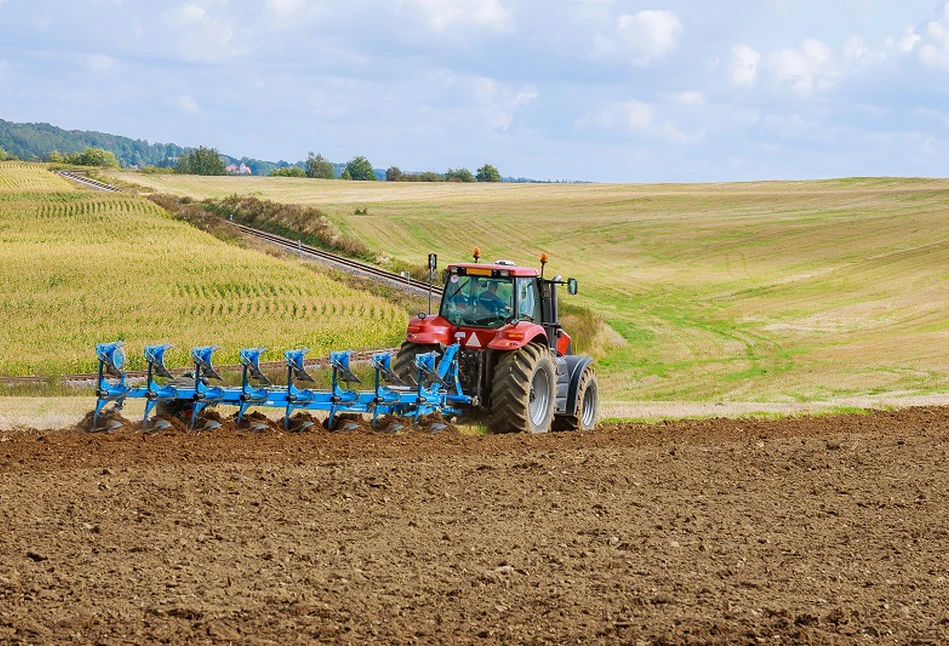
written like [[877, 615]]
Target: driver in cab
[[490, 300]]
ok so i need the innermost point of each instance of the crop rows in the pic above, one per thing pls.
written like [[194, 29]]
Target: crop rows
[[17, 177], [96, 267]]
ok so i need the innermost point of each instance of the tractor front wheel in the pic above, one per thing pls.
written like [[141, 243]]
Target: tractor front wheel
[[523, 391], [404, 366], [587, 405]]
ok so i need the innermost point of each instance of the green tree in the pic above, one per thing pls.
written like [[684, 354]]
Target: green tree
[[488, 173], [460, 175], [202, 161], [288, 171], [98, 157], [360, 169], [346, 175], [93, 157], [430, 176], [55, 157], [318, 166], [393, 174], [3, 154]]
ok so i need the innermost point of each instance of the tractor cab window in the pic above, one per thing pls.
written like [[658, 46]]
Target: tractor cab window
[[528, 300], [478, 301]]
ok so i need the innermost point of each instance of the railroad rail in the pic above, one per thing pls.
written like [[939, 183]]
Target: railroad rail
[[340, 262], [92, 183]]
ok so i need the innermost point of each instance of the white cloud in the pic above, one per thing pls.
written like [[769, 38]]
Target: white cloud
[[689, 97], [744, 65], [294, 13], [640, 38], [446, 15], [859, 53], [498, 103], [637, 117], [186, 104], [285, 8], [936, 115], [909, 40], [201, 37], [99, 64], [187, 13], [806, 68], [935, 53]]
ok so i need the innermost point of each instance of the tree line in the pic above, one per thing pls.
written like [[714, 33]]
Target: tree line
[[360, 169], [44, 142]]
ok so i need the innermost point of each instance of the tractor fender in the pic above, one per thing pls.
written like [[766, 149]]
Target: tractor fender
[[517, 335], [576, 364], [430, 330]]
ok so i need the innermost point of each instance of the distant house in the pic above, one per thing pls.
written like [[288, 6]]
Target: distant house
[[243, 169]]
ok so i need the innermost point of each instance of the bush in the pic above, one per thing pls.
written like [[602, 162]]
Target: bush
[[460, 175], [288, 171], [290, 220]]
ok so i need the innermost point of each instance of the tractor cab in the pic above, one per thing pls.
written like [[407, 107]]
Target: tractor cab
[[490, 295]]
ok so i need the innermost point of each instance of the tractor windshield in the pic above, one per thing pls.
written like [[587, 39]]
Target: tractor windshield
[[478, 301]]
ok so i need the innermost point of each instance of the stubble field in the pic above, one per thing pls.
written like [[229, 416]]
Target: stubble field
[[770, 292]]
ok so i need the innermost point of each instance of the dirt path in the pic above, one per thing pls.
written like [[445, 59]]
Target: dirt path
[[819, 530]]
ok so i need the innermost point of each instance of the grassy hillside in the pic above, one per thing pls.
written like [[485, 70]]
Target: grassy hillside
[[78, 267], [778, 291]]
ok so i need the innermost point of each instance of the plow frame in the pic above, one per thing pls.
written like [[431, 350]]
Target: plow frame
[[438, 390]]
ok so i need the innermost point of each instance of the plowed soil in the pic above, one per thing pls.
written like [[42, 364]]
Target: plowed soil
[[807, 530]]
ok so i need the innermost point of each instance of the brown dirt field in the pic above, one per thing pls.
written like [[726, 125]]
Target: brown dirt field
[[801, 530]]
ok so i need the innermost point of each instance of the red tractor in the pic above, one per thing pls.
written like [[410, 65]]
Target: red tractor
[[516, 361]]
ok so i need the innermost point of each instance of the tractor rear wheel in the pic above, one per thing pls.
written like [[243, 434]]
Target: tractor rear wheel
[[523, 391], [404, 366], [588, 404]]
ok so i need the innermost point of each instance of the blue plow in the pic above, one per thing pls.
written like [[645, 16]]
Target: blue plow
[[438, 389]]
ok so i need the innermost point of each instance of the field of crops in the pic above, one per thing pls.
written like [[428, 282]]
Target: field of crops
[[78, 266], [770, 291]]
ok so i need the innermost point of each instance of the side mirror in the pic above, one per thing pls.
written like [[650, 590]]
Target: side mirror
[[571, 285]]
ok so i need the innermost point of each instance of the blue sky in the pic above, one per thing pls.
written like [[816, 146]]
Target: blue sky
[[602, 90]]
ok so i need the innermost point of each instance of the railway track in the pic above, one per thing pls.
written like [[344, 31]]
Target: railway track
[[91, 183], [340, 262]]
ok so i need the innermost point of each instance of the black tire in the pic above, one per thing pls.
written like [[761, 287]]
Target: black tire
[[179, 408], [523, 392], [588, 405], [404, 366]]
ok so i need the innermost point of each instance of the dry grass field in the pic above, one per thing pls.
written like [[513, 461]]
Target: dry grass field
[[79, 266], [768, 292]]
